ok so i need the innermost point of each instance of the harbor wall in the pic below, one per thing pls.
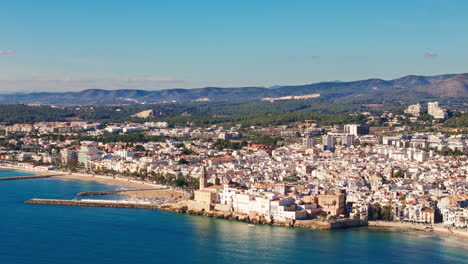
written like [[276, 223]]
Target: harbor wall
[[196, 208]]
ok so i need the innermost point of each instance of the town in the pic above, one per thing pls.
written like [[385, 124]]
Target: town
[[295, 172]]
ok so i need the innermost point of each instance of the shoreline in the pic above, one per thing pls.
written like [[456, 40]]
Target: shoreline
[[123, 182], [134, 189], [434, 228], [140, 193], [181, 208]]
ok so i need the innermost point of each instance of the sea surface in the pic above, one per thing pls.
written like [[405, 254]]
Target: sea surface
[[58, 234]]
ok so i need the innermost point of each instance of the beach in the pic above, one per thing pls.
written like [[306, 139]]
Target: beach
[[438, 228], [134, 189]]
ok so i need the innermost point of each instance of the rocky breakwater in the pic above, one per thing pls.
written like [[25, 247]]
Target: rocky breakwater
[[172, 207]]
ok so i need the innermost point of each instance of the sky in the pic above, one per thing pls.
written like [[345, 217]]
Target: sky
[[151, 44]]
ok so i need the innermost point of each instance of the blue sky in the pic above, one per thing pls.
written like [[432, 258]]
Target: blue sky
[[110, 44]]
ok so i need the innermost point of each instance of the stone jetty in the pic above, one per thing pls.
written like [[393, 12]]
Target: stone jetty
[[26, 177], [94, 203]]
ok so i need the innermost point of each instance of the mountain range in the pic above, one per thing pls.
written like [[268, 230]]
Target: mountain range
[[406, 89]]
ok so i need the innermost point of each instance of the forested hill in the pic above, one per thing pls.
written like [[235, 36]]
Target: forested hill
[[406, 89]]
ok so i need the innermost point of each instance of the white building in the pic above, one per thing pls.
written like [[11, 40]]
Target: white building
[[414, 110], [356, 130], [434, 110]]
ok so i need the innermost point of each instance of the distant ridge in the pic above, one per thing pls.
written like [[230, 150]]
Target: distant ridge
[[368, 91]]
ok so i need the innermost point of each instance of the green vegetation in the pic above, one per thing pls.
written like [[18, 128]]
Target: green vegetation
[[186, 151], [227, 113], [378, 212], [221, 144], [449, 152], [458, 120], [266, 119], [183, 161], [425, 117], [292, 178], [254, 113], [126, 138], [29, 114], [357, 216]]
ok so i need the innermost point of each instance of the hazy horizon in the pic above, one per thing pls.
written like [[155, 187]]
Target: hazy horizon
[[147, 84], [153, 45]]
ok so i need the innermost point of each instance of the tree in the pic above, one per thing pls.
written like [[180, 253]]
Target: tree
[[398, 174], [186, 151], [387, 214], [139, 148], [357, 216], [375, 212], [179, 145], [180, 182], [183, 161], [425, 117], [322, 215]]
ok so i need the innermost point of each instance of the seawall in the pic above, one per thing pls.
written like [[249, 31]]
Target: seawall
[[26, 177], [182, 208], [254, 218]]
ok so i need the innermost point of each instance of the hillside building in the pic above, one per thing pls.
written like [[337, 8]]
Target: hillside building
[[414, 110], [434, 110]]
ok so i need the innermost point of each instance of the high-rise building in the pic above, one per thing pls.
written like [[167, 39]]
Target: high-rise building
[[434, 110], [356, 130], [308, 142], [68, 155], [329, 142], [87, 152], [348, 140]]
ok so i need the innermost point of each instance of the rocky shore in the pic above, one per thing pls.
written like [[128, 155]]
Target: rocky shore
[[181, 207]]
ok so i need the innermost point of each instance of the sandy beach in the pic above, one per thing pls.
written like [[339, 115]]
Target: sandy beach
[[137, 189], [437, 228]]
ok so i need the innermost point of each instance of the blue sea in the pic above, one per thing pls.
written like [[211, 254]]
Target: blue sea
[[59, 234]]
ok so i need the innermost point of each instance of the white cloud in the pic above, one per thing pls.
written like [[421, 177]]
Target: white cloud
[[6, 52], [431, 54]]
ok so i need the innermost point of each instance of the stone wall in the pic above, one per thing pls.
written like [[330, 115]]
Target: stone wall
[[223, 208], [197, 206]]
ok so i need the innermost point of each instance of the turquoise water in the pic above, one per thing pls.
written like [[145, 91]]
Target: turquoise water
[[10, 173], [60, 234]]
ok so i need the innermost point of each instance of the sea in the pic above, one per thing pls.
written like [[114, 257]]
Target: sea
[[47, 234]]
